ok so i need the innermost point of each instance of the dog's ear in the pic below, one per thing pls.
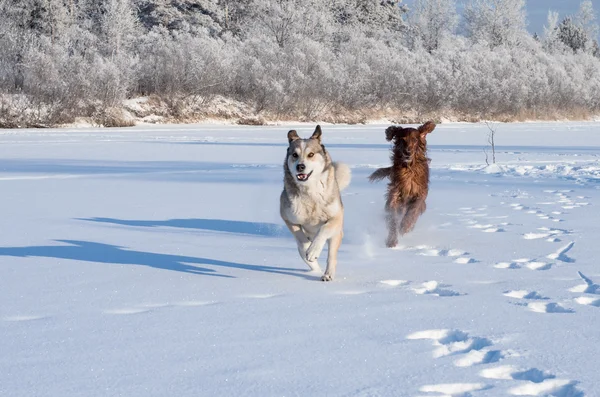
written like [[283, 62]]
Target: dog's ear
[[426, 128], [317, 134], [292, 136], [391, 132]]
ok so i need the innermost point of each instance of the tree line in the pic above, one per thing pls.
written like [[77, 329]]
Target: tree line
[[313, 60]]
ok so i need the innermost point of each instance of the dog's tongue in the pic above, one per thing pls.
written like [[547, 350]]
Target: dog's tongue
[[302, 177]]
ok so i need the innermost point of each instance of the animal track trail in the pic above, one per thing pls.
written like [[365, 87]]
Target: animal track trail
[[471, 220], [427, 288], [535, 382], [543, 307], [561, 253], [549, 387], [523, 294], [588, 301], [536, 306], [510, 372], [472, 350], [435, 288], [536, 302], [536, 211], [461, 256], [550, 234], [589, 287], [524, 262], [454, 389], [394, 283], [567, 202]]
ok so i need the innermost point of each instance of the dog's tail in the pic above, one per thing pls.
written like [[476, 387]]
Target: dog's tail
[[343, 175], [380, 174]]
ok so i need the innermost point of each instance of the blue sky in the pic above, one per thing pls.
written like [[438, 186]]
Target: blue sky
[[537, 10]]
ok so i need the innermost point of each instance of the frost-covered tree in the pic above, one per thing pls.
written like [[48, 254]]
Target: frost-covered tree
[[118, 26], [572, 35], [368, 16], [496, 22], [586, 19], [44, 17], [434, 22], [551, 41], [576, 33], [287, 21], [188, 15], [294, 59]]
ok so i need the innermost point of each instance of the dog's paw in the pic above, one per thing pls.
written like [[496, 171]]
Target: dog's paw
[[312, 253], [391, 243], [314, 266], [327, 277]]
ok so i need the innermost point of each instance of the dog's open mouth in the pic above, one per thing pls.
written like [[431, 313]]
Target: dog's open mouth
[[303, 177]]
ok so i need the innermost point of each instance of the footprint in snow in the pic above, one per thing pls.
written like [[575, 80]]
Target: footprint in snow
[[435, 288], [518, 206], [454, 389], [589, 287], [507, 265], [537, 306], [425, 250], [442, 252], [588, 301], [510, 372], [542, 307], [549, 387], [394, 283], [487, 228], [522, 294], [493, 230], [561, 253], [464, 260], [547, 233], [523, 262], [471, 350]]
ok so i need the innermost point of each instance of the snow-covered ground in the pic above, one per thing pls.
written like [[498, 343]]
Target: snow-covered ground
[[151, 261]]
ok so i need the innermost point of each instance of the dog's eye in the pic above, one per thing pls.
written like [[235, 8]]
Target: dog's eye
[[295, 155], [310, 155]]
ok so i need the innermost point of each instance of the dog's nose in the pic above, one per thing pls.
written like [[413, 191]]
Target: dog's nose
[[300, 167]]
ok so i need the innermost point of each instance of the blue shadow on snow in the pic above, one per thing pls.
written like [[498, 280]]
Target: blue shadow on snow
[[111, 254], [215, 225]]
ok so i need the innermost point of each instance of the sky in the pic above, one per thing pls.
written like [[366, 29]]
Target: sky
[[537, 10]]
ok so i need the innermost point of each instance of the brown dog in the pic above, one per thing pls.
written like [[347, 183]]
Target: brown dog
[[409, 179]]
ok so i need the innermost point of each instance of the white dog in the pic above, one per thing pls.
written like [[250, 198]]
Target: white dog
[[311, 204]]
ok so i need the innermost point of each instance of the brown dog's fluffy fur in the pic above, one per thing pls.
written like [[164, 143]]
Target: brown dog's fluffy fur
[[409, 179]]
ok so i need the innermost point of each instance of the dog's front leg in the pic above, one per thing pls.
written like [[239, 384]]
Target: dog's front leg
[[303, 244], [414, 210], [393, 213], [331, 228], [334, 245]]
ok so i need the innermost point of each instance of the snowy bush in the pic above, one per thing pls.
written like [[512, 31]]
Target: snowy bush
[[338, 60]]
